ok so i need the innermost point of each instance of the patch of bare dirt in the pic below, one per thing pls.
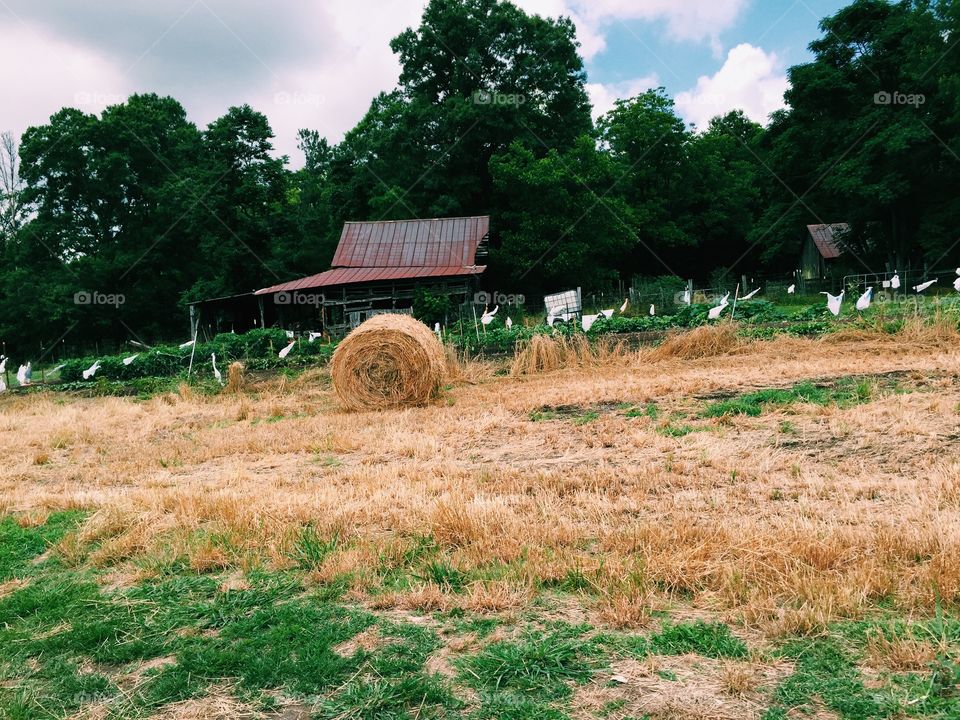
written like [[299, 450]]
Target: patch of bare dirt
[[136, 676], [440, 663], [218, 705], [11, 586], [368, 641], [686, 687]]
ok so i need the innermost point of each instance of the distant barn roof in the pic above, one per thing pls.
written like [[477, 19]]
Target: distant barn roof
[[411, 243], [825, 238], [400, 250]]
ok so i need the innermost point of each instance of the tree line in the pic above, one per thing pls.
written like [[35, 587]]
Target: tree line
[[490, 116]]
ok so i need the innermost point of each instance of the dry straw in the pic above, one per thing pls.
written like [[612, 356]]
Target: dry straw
[[235, 377], [542, 354], [702, 342], [461, 368], [389, 361]]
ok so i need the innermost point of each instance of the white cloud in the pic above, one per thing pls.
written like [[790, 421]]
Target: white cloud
[[686, 20], [589, 33], [750, 80], [603, 96]]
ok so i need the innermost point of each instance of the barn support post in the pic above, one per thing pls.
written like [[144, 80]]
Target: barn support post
[[260, 304]]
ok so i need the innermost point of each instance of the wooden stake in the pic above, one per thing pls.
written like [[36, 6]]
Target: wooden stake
[[733, 310]]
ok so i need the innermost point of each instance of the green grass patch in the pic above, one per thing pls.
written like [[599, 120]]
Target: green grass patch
[[650, 410], [846, 393], [544, 415], [577, 418], [443, 574], [67, 643], [712, 640], [64, 641], [825, 671], [311, 548], [679, 430], [538, 667], [19, 545]]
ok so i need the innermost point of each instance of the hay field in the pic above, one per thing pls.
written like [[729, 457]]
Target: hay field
[[782, 489]]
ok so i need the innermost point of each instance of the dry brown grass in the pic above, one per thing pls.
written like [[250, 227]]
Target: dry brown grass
[[10, 586], [702, 342], [216, 705], [219, 704], [737, 678], [389, 361], [235, 379], [786, 531], [627, 609], [544, 354], [461, 368], [937, 329], [540, 354], [899, 653]]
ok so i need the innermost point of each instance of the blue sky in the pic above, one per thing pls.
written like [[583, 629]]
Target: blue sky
[[317, 63], [639, 48], [711, 55]]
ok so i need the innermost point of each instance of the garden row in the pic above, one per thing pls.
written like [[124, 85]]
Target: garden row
[[259, 349]]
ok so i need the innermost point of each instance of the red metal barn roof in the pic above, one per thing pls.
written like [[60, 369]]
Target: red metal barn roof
[[350, 276], [824, 237], [399, 250], [411, 243]]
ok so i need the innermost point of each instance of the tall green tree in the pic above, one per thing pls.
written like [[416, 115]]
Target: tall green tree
[[311, 242], [862, 139], [648, 146], [557, 232], [107, 196], [724, 173], [243, 206]]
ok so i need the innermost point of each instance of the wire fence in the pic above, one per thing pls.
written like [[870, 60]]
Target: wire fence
[[664, 298], [909, 280]]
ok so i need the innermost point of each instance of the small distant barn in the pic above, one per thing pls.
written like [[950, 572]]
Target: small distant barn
[[379, 266], [820, 247]]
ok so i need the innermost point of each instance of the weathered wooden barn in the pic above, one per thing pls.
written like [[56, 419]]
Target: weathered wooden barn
[[821, 246], [378, 267]]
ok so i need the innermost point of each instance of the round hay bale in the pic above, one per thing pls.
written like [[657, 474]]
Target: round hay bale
[[389, 361]]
